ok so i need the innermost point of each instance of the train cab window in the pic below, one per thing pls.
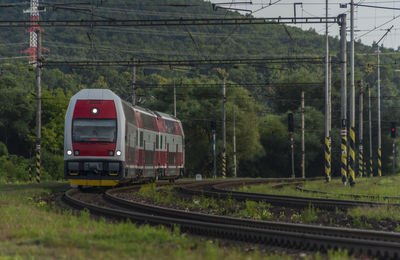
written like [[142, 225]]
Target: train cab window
[[157, 141], [94, 130], [141, 138]]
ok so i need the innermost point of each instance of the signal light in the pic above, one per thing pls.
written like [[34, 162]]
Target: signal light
[[290, 123], [393, 129]]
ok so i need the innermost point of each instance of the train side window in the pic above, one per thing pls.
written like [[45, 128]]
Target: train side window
[[157, 141], [161, 142], [141, 138], [137, 137]]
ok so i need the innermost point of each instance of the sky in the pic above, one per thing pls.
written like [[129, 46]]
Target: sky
[[370, 23]]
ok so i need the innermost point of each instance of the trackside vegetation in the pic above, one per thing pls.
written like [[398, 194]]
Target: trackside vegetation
[[32, 227]]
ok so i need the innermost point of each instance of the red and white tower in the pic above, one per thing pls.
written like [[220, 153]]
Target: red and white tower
[[34, 19]]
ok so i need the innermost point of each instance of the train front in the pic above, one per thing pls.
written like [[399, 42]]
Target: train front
[[93, 149]]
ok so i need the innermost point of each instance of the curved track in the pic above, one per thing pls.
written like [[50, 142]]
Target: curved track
[[308, 237], [222, 190]]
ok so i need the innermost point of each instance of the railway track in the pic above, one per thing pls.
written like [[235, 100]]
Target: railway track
[[308, 237], [355, 196], [223, 190]]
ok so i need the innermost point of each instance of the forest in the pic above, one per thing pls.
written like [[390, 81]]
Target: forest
[[261, 95]]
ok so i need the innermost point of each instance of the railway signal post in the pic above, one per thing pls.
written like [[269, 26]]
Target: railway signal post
[[393, 135], [291, 131], [361, 132], [213, 129], [223, 129]]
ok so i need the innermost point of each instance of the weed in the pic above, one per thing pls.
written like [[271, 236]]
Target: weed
[[309, 214]]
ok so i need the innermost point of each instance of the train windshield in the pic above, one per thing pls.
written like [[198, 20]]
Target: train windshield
[[94, 130]]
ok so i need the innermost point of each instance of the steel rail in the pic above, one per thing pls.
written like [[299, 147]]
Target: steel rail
[[298, 187], [276, 200], [319, 240]]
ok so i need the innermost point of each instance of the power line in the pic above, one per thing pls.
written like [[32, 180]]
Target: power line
[[172, 22]]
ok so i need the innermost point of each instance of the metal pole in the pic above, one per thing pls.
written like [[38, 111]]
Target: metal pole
[[361, 131], [371, 173], [352, 176], [303, 146], [214, 151], [223, 130], [379, 118], [292, 153], [38, 103], [343, 100], [234, 142], [379, 106], [394, 154], [327, 130]]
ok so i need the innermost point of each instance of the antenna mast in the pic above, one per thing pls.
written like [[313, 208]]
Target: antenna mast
[[34, 28]]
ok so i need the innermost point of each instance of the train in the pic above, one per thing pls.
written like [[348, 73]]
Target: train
[[108, 141]]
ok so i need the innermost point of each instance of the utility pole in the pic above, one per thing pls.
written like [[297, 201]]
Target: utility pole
[[343, 100], [234, 142], [379, 117], [303, 146], [133, 83], [223, 129], [371, 173], [361, 131], [352, 176], [379, 106], [38, 103], [327, 109]]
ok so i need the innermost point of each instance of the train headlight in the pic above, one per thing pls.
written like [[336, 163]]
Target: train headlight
[[95, 110], [119, 153], [76, 152], [111, 152], [69, 152]]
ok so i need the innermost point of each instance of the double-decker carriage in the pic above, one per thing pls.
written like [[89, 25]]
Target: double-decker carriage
[[108, 141]]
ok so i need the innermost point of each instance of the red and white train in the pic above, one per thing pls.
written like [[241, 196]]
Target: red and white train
[[108, 141]]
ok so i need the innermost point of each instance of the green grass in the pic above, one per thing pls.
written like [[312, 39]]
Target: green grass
[[226, 206], [30, 228]]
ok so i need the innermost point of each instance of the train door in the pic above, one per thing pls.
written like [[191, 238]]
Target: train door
[[167, 159], [176, 160]]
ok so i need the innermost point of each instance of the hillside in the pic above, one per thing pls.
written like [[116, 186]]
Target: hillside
[[261, 115]]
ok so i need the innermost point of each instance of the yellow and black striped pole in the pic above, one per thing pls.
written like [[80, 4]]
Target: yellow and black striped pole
[[352, 176], [327, 159], [223, 166], [38, 165], [379, 162], [360, 161], [371, 173], [343, 164]]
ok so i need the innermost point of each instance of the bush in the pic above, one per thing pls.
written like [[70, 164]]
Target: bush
[[52, 166], [13, 168]]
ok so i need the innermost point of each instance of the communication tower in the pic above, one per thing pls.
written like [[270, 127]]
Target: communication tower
[[34, 28]]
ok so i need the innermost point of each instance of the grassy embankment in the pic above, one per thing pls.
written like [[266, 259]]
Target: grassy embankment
[[381, 187], [32, 229]]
